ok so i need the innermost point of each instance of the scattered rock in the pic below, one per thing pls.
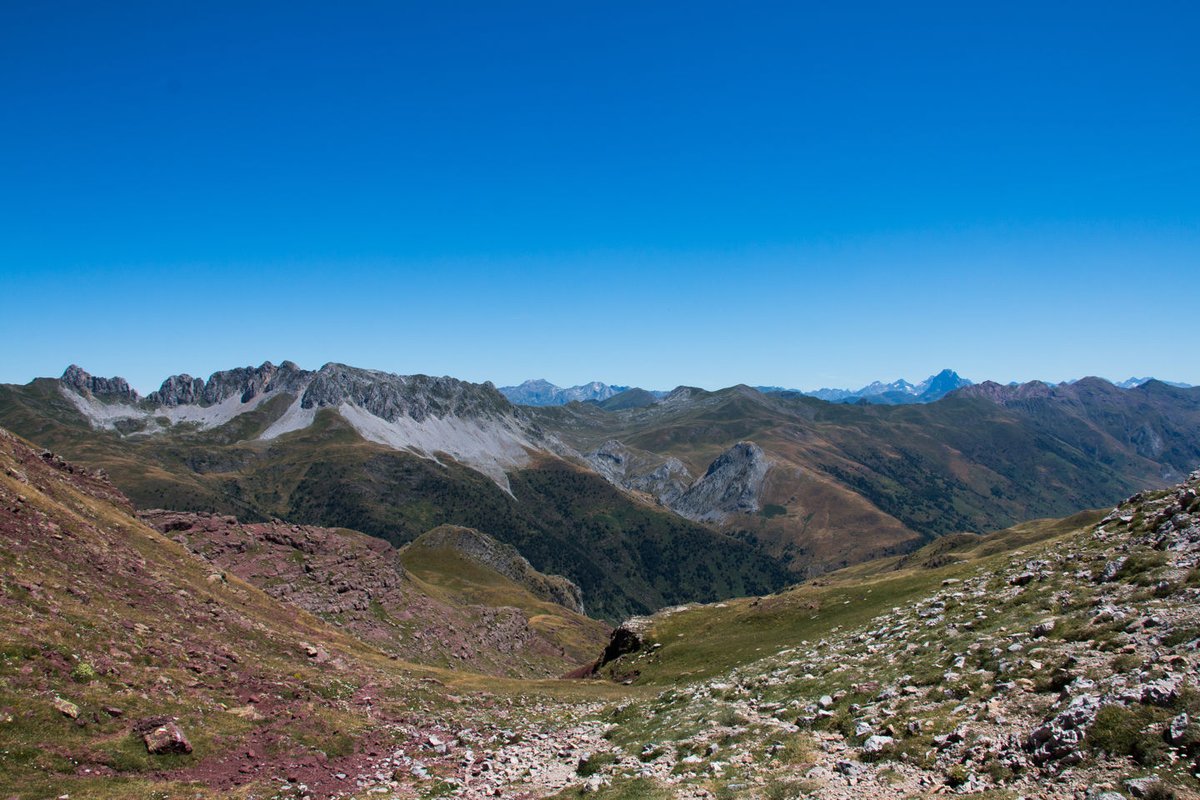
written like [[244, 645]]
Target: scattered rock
[[877, 743], [1176, 732], [66, 708], [165, 739]]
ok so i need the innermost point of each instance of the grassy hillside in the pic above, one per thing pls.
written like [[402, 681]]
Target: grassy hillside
[[109, 628], [460, 581], [114, 623]]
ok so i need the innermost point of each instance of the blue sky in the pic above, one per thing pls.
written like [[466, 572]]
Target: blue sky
[[646, 193]]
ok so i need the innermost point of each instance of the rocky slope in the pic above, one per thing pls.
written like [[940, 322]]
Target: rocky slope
[[1051, 660], [1054, 668], [732, 484], [130, 667]]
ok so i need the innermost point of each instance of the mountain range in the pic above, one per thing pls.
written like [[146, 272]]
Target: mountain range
[[935, 387], [696, 495], [540, 392], [898, 392]]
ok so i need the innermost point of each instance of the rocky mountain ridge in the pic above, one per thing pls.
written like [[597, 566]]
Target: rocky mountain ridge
[[426, 415]]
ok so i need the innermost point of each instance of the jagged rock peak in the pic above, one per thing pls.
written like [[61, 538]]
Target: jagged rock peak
[[243, 382], [391, 397], [108, 388], [249, 382], [740, 453], [504, 559], [178, 390]]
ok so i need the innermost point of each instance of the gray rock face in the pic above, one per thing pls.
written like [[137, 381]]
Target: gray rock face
[[391, 397], [244, 382], [665, 481], [249, 382], [1176, 732], [103, 388], [505, 559], [877, 743], [732, 484], [178, 390]]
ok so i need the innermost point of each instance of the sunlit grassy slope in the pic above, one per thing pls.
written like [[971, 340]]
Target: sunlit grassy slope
[[700, 642]]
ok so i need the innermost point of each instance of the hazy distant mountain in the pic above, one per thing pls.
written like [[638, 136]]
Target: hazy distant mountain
[[1133, 383], [540, 392], [898, 392]]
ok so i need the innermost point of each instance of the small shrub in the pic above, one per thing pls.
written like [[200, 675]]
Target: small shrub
[[1126, 662], [84, 673], [1140, 567], [795, 750], [595, 763], [1122, 731], [957, 775], [1159, 791], [998, 772], [728, 717], [1181, 635], [786, 790]]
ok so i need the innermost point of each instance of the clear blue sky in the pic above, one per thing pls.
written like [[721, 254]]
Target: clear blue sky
[[647, 193]]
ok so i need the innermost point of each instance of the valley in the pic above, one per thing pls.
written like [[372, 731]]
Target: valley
[[218, 593]]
